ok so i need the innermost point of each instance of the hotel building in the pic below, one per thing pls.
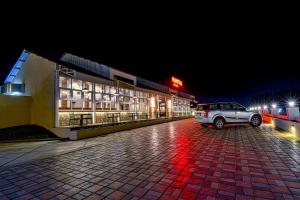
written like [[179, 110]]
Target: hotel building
[[73, 92]]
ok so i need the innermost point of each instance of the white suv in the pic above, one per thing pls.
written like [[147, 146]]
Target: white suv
[[219, 114]]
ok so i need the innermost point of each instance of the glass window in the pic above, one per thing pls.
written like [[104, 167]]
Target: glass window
[[107, 89], [121, 90], [121, 98], [131, 92], [113, 106], [77, 95], [124, 106], [126, 99], [213, 107], [236, 106], [98, 88], [106, 97], [98, 97], [87, 105], [77, 105], [126, 92], [87, 86], [64, 82], [113, 98], [106, 106], [113, 90], [225, 106], [88, 96], [64, 104], [98, 106], [77, 84], [64, 94]]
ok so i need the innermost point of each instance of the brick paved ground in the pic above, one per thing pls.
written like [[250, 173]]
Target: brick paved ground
[[177, 160]]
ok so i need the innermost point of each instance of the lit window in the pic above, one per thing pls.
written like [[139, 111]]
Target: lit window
[[98, 97], [76, 105], [113, 90], [106, 97], [98, 88], [65, 94], [77, 84], [87, 96], [107, 89], [64, 82], [88, 86], [64, 104], [77, 95]]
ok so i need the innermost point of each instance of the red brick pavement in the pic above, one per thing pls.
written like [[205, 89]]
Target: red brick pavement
[[177, 160]]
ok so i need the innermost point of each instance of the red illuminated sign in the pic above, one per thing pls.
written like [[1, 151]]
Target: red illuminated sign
[[176, 82]]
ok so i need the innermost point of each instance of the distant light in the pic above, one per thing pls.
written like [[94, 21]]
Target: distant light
[[255, 108], [274, 105], [291, 103], [279, 110], [258, 107], [265, 107]]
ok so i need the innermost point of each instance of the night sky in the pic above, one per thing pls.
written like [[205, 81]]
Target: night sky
[[219, 64]]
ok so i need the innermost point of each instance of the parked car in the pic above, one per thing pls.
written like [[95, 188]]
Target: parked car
[[219, 114]]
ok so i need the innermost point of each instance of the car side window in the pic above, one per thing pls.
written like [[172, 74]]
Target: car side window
[[213, 107], [237, 107], [225, 106]]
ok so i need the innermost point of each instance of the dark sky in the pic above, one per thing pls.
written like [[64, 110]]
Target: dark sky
[[219, 62]]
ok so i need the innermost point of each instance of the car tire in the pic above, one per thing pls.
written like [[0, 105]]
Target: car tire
[[255, 121], [204, 125], [219, 123]]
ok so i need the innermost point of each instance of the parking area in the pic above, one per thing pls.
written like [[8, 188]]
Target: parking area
[[175, 160]]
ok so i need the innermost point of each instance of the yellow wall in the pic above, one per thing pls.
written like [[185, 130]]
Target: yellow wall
[[38, 74], [14, 111]]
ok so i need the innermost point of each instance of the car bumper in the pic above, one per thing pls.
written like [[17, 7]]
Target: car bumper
[[202, 120]]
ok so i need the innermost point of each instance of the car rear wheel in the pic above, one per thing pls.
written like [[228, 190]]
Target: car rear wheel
[[219, 123], [255, 121]]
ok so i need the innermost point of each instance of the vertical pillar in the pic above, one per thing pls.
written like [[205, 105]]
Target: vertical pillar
[[56, 98], [93, 104]]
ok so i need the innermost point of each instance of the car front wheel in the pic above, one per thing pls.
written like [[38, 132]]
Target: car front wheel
[[219, 123], [255, 121]]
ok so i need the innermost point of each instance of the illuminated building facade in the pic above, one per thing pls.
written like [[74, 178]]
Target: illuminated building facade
[[74, 91]]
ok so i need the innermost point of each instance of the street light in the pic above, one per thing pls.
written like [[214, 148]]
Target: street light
[[265, 107], [291, 103], [274, 105]]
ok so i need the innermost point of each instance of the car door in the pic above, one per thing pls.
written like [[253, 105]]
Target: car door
[[228, 112], [241, 114]]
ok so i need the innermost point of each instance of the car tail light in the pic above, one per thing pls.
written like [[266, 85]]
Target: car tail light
[[205, 113]]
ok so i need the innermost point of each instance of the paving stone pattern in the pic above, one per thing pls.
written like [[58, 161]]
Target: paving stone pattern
[[176, 160]]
